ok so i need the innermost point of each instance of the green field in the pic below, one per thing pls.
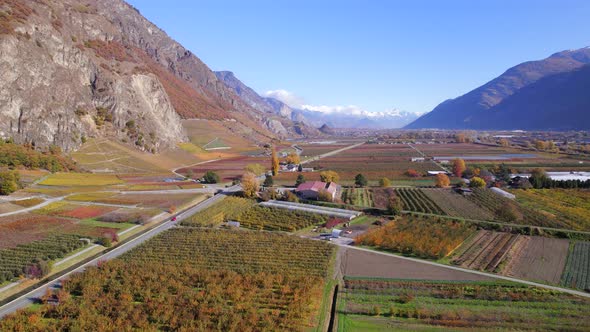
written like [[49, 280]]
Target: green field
[[415, 305]]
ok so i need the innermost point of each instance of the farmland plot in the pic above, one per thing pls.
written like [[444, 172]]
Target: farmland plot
[[277, 219], [415, 200], [577, 270], [485, 251], [538, 259], [228, 209], [195, 280], [419, 305], [357, 196], [455, 205]]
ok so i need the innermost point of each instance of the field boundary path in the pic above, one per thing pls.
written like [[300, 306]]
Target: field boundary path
[[331, 153], [35, 207], [485, 274], [426, 156], [30, 297], [191, 165]]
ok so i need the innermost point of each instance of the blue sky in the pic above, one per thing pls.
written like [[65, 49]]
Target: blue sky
[[377, 55]]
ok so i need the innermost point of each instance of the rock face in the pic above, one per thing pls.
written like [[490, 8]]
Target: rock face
[[74, 69], [485, 108]]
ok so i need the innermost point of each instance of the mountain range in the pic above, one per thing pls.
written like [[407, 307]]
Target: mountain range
[[549, 94], [76, 69]]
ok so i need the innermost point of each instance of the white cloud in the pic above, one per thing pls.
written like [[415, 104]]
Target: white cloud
[[354, 111], [286, 97]]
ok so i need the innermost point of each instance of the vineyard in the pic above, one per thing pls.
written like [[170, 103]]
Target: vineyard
[[277, 219], [577, 268], [213, 216], [456, 205], [563, 207], [13, 261], [415, 200], [415, 305], [357, 196], [424, 237]]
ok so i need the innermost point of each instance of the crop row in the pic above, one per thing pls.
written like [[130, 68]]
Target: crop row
[[577, 268], [276, 219], [418, 305], [357, 196], [13, 261], [241, 251], [227, 209], [416, 200]]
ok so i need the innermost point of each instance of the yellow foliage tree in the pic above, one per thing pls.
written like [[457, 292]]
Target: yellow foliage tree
[[274, 162], [250, 184], [442, 180], [329, 176], [293, 158], [459, 167], [477, 182], [384, 182], [504, 142]]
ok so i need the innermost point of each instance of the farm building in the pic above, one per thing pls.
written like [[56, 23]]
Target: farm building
[[464, 191], [503, 193], [311, 190], [434, 173], [289, 168], [418, 159]]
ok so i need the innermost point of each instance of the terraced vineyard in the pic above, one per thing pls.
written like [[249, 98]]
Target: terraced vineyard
[[275, 219], [415, 200], [13, 261], [228, 209], [416, 305], [189, 279], [577, 268], [357, 196]]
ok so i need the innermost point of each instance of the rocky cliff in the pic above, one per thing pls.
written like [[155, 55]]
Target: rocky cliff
[[74, 69]]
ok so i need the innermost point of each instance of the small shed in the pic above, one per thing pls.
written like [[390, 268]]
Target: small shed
[[336, 233], [233, 223]]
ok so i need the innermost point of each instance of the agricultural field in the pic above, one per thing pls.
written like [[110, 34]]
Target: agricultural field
[[6, 207], [357, 196], [419, 305], [275, 219], [21, 260], [164, 202], [361, 263], [204, 280], [375, 162], [419, 236], [228, 209], [80, 179], [381, 197], [577, 268], [567, 208], [126, 215], [228, 169], [415, 200], [455, 205], [532, 258]]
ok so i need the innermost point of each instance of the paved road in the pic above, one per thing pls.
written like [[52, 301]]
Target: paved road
[[30, 297], [530, 283]]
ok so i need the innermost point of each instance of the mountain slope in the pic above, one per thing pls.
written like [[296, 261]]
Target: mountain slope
[[279, 116], [73, 69], [466, 111]]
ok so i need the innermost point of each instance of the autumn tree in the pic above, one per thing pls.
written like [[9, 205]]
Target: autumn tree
[[329, 176], [412, 173], [460, 138], [360, 180], [250, 184], [394, 205], [292, 158], [9, 182], [540, 145], [274, 159], [504, 142], [384, 182], [477, 182], [459, 167], [442, 180], [289, 196], [325, 196]]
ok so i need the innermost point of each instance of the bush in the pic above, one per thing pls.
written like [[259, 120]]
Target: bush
[[104, 241], [211, 177]]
